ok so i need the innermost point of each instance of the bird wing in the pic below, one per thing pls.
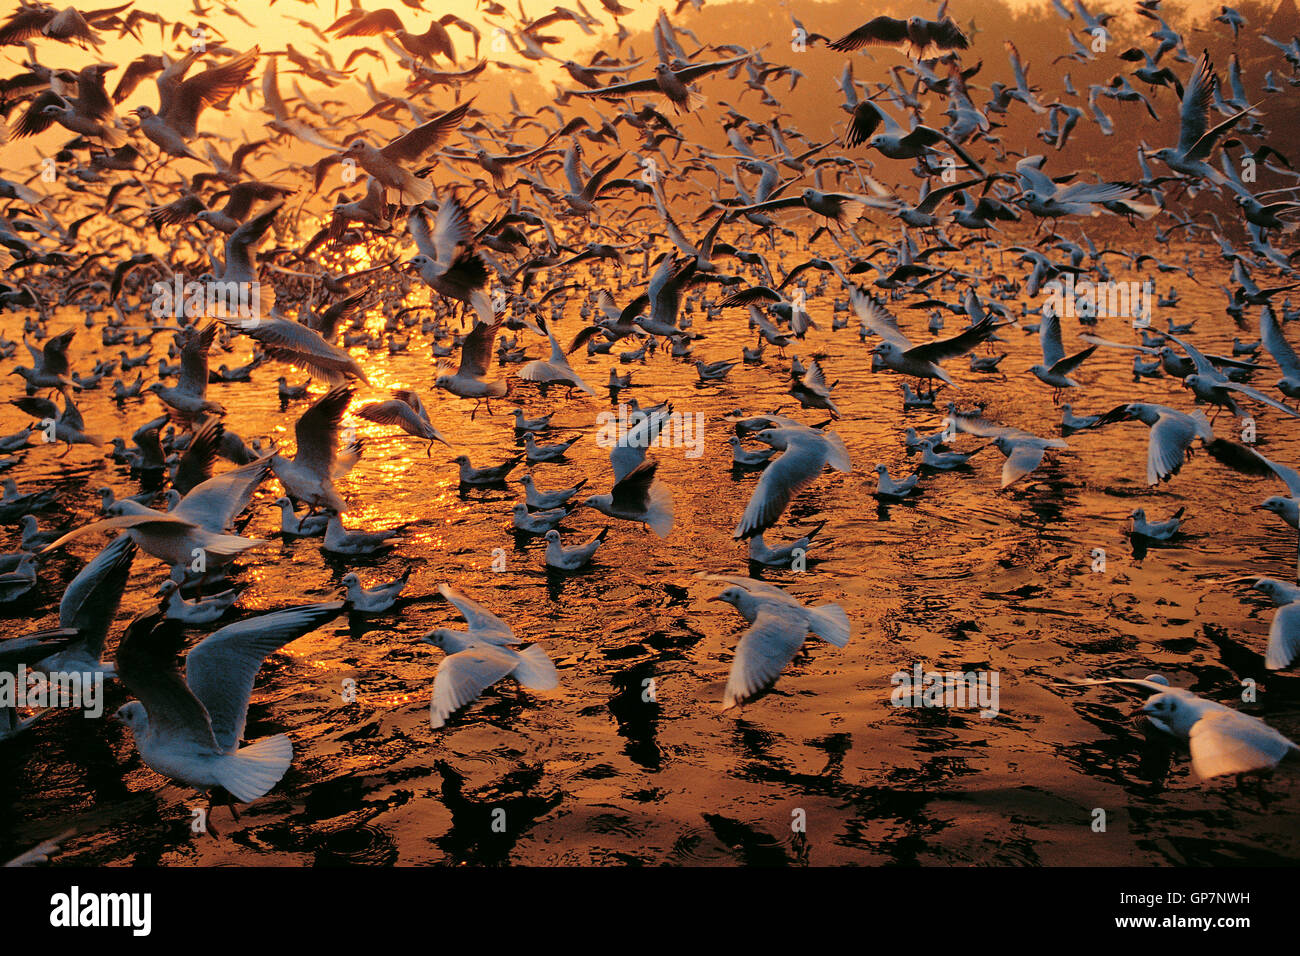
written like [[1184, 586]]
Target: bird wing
[[91, 600], [215, 503], [1195, 110], [1203, 365], [476, 351], [794, 469], [1283, 637], [1276, 343], [619, 90], [959, 344], [1228, 741], [1049, 338], [155, 521], [202, 90], [872, 312], [295, 343], [464, 675], [484, 626], [632, 491], [221, 668], [1024, 458], [412, 147], [876, 31], [1259, 396], [1167, 446], [704, 69], [146, 664], [317, 431], [1067, 365], [450, 229], [763, 652], [194, 361]]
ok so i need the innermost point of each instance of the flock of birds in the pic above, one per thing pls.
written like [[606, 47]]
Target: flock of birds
[[144, 204]]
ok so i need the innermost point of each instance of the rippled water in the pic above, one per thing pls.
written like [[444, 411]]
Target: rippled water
[[965, 577]]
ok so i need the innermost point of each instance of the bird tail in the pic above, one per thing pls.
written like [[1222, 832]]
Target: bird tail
[[535, 669], [415, 190], [253, 770], [659, 513], [831, 624]]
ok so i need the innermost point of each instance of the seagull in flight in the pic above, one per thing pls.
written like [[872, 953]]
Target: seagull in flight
[[190, 728], [778, 626]]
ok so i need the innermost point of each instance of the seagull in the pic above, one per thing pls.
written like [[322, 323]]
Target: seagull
[[535, 522], [778, 626], [784, 555], [87, 608], [478, 658], [1209, 384], [886, 487], [1071, 423], [1023, 450], [545, 500], [1172, 435], [571, 559], [805, 453], [406, 411], [917, 361], [470, 378], [310, 526], [637, 496], [23, 652], [1196, 138], [189, 729], [747, 458], [194, 528], [918, 37], [523, 424], [206, 611], [490, 475], [673, 83], [1155, 530], [1056, 366], [1284, 632], [388, 164], [456, 272], [309, 475], [555, 370], [537, 454], [1275, 342], [377, 599], [1222, 740], [338, 540], [813, 391]]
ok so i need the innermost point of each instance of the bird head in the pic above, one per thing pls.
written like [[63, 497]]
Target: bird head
[[134, 716], [1276, 504], [437, 637], [1165, 711], [732, 595], [553, 536]]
